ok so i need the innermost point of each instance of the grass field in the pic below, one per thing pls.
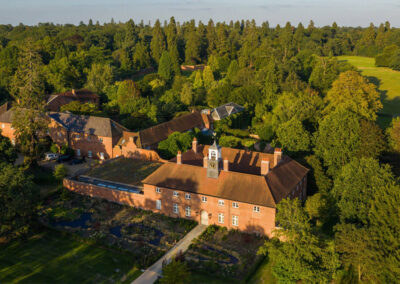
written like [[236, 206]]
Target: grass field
[[387, 81], [53, 257], [125, 170]]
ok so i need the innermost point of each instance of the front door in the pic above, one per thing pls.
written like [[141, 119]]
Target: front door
[[204, 218]]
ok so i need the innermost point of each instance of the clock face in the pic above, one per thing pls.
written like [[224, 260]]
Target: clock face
[[213, 165]]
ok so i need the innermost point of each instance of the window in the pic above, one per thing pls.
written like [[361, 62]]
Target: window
[[78, 152], [176, 209], [13, 141], [59, 134], [204, 199], [235, 220], [187, 211], [175, 194], [101, 155], [89, 154], [101, 140], [158, 190], [221, 203], [221, 218], [256, 209], [158, 204], [235, 205], [2, 125], [187, 196]]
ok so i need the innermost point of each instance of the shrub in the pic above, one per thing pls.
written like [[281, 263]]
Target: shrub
[[230, 141], [60, 172]]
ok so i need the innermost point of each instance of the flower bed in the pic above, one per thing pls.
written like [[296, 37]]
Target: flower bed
[[145, 234], [231, 254]]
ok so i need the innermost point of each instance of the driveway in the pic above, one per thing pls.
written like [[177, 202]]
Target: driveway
[[154, 271], [72, 169]]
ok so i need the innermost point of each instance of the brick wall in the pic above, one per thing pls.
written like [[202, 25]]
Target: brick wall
[[96, 144], [7, 130], [129, 150]]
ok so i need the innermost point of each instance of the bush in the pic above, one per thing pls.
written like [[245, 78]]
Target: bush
[[60, 172], [54, 148], [265, 132], [230, 141]]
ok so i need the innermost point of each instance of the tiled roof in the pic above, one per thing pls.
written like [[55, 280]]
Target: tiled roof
[[5, 112], [243, 182], [160, 132], [100, 126], [229, 185], [225, 110]]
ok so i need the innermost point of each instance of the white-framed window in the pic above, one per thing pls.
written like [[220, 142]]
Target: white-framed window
[[176, 208], [204, 199], [235, 220], [221, 203], [158, 204], [13, 141], [101, 155], [158, 190], [221, 218], [188, 211], [2, 125], [235, 205], [78, 152], [256, 209], [101, 140], [175, 194], [89, 154], [187, 196]]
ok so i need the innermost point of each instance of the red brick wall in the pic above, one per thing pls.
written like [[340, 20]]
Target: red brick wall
[[7, 131], [94, 144], [129, 150]]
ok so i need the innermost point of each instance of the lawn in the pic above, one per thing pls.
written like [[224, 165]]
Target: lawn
[[53, 257], [263, 274], [124, 170], [387, 81]]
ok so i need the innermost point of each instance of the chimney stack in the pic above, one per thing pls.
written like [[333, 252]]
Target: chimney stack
[[205, 159], [277, 156], [226, 165], [264, 167], [179, 158], [73, 92], [194, 145]]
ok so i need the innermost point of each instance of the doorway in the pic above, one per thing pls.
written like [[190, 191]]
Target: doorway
[[204, 218]]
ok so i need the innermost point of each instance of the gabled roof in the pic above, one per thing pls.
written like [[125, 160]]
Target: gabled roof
[[5, 107], [229, 185], [225, 110], [100, 126], [6, 112], [160, 132]]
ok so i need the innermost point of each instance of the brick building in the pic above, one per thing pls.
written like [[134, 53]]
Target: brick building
[[56, 101]]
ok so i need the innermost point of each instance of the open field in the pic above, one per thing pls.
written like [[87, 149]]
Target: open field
[[387, 81], [124, 170], [53, 257]]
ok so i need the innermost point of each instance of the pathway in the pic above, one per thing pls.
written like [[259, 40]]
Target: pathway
[[154, 271]]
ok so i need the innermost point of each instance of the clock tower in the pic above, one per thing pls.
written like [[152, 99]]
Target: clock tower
[[214, 160]]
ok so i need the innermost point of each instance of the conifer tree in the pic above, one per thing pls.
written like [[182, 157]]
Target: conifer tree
[[157, 44], [165, 67]]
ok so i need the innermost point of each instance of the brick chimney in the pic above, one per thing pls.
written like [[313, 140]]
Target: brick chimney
[[194, 145], [277, 156], [226, 165], [179, 158], [73, 92], [264, 167], [205, 164]]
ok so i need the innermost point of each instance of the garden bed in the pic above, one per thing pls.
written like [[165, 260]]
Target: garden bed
[[227, 253], [146, 235]]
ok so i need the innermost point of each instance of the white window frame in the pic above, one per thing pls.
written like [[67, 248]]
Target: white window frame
[[204, 199], [2, 125], [235, 205], [188, 211], [158, 204], [175, 194], [221, 218], [90, 154], [158, 190], [235, 220], [176, 208], [101, 155], [221, 202], [187, 196], [256, 209]]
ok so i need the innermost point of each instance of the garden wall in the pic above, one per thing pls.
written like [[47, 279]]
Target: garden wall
[[122, 197]]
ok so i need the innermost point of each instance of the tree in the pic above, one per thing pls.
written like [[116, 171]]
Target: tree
[[393, 133], [28, 118], [17, 201], [198, 80], [208, 77], [175, 272], [99, 78], [77, 107], [293, 136], [192, 46], [141, 57], [187, 95], [157, 44], [60, 172], [7, 151], [165, 67], [175, 142], [127, 93], [352, 91]]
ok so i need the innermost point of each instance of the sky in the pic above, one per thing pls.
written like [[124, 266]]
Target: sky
[[322, 12]]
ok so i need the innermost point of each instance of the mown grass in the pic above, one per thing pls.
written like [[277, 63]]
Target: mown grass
[[54, 257], [387, 81]]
